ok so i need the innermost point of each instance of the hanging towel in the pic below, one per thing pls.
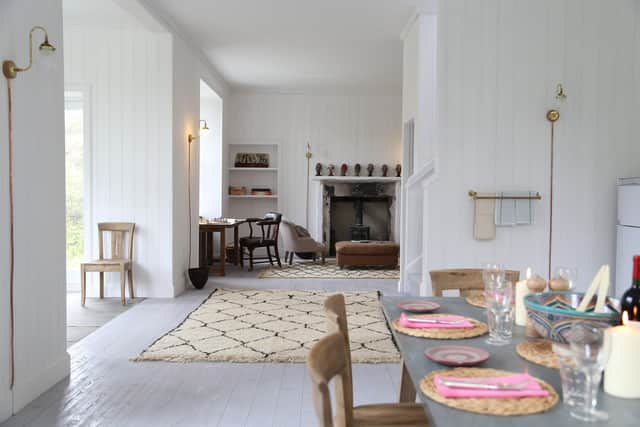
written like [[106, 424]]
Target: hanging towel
[[525, 210], [484, 227], [505, 211], [512, 212]]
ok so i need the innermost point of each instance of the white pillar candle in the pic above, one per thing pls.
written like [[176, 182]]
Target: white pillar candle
[[621, 374], [521, 291]]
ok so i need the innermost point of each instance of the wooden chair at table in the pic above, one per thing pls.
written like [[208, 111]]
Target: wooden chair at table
[[328, 360], [465, 280], [269, 227], [117, 262], [335, 310]]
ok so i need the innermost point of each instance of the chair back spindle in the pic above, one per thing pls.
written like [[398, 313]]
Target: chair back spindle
[[121, 238]]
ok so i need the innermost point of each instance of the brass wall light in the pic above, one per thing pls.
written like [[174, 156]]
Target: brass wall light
[[11, 70]]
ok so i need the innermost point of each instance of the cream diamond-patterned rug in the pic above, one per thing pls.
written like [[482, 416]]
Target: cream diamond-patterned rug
[[271, 326], [317, 270]]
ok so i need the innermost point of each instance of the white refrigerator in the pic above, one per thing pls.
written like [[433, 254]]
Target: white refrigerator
[[628, 239]]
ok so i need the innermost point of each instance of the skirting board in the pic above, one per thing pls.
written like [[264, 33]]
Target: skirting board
[[28, 389]]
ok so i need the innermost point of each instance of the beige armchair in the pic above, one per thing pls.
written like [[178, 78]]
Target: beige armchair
[[294, 242]]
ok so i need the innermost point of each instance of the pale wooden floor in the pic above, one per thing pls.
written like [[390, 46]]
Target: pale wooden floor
[[82, 321], [105, 389]]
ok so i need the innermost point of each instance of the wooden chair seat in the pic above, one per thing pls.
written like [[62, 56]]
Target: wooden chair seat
[[101, 264], [390, 414]]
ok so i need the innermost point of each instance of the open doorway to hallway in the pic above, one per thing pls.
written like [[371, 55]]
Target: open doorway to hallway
[[210, 152]]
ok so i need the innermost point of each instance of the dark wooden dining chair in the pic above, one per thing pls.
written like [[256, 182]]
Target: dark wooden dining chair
[[268, 239], [336, 313], [465, 280], [328, 361]]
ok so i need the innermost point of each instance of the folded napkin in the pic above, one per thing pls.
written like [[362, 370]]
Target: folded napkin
[[406, 323], [533, 389]]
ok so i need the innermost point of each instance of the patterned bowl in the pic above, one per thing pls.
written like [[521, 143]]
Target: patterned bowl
[[554, 313]]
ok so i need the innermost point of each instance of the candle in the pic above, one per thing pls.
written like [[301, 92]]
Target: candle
[[534, 284], [559, 284], [622, 374], [521, 291]]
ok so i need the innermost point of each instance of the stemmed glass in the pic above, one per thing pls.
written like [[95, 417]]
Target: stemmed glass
[[492, 273], [590, 347], [569, 274], [499, 297]]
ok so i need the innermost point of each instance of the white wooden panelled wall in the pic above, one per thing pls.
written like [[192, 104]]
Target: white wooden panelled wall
[[340, 128], [38, 123], [129, 75], [499, 62]]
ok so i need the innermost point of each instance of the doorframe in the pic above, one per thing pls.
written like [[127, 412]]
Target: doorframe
[[73, 283]]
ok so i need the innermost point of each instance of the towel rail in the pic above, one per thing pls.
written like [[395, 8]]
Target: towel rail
[[474, 195]]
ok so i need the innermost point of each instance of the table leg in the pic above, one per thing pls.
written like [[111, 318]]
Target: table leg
[[203, 248], [210, 247], [236, 244], [407, 389], [223, 250]]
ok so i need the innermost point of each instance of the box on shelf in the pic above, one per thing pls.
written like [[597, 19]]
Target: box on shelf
[[236, 190]]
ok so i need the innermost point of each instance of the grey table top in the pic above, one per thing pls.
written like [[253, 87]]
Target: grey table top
[[622, 412]]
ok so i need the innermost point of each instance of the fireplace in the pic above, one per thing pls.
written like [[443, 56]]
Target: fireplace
[[357, 212]]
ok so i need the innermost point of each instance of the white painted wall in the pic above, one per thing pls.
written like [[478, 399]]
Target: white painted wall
[[211, 154], [499, 62], [340, 128], [40, 303], [127, 70]]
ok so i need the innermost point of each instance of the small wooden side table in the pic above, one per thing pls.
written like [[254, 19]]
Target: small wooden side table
[[206, 232]]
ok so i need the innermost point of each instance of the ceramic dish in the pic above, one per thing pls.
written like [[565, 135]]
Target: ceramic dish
[[419, 306], [456, 355]]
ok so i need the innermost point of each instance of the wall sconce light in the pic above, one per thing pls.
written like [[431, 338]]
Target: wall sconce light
[[204, 129], [11, 70]]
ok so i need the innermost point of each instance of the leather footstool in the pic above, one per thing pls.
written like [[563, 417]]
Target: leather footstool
[[364, 254]]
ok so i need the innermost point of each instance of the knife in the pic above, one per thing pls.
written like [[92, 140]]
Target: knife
[[436, 321], [519, 386]]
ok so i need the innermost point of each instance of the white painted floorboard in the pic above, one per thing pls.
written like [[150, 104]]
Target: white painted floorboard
[[106, 389]]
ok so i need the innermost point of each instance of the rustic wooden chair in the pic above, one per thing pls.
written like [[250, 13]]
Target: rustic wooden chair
[[269, 227], [117, 261], [467, 280], [328, 361], [335, 310]]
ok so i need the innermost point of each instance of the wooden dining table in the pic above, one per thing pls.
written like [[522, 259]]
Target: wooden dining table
[[206, 231], [622, 412]]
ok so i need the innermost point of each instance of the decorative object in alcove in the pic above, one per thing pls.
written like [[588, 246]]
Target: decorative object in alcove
[[370, 169], [343, 169], [398, 170], [318, 169], [252, 160], [385, 170], [332, 169], [357, 169]]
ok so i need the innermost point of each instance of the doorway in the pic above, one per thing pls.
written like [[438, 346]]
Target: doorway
[[77, 137]]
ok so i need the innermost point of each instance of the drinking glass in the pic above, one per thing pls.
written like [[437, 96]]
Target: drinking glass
[[570, 376], [492, 273], [590, 347], [569, 274], [499, 297]]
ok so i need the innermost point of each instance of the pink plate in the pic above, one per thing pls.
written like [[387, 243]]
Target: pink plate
[[419, 306], [456, 355]]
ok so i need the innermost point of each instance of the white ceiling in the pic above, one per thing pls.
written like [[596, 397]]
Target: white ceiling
[[298, 44]]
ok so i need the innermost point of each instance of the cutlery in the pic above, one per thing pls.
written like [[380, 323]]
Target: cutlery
[[517, 386], [435, 321]]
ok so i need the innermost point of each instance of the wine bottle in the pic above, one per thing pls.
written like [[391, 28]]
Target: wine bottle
[[630, 301]]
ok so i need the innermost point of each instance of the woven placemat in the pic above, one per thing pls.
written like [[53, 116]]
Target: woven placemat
[[538, 352], [479, 328], [489, 406], [477, 300]]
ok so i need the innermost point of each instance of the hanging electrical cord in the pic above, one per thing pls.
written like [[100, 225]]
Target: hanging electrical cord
[[11, 240]]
